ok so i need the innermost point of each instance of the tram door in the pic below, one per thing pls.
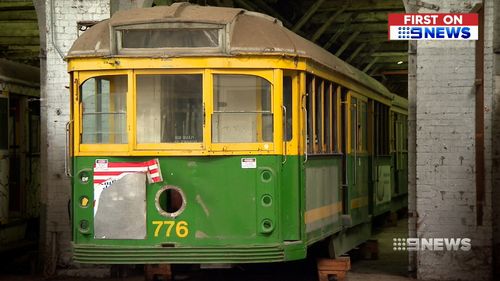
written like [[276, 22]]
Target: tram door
[[290, 168], [355, 200], [4, 158]]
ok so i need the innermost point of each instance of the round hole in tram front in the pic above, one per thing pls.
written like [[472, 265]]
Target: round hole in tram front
[[170, 201]]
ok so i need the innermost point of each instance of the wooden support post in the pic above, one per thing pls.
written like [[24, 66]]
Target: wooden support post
[[337, 267], [162, 271], [392, 219], [307, 15], [369, 250]]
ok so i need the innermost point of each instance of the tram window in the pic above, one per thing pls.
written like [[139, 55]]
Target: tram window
[[170, 38], [169, 108], [354, 124], [318, 140], [335, 117], [242, 109], [309, 107], [381, 129], [287, 102], [327, 117], [104, 110], [362, 127]]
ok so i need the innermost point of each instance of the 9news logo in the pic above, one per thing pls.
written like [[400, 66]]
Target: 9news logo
[[433, 27], [431, 244]]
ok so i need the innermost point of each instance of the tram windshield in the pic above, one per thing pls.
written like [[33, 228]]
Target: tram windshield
[[169, 108], [104, 110], [242, 109]]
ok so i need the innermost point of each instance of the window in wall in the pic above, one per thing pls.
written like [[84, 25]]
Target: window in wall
[[287, 103], [169, 108], [104, 110], [242, 109]]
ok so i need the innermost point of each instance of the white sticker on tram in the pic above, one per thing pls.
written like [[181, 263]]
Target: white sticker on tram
[[248, 163]]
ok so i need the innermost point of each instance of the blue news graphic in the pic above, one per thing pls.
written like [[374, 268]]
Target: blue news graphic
[[435, 32]]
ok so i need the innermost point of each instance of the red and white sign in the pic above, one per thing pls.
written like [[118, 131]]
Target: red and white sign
[[433, 26], [106, 173]]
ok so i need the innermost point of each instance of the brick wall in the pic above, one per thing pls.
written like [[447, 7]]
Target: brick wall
[[445, 161], [56, 188]]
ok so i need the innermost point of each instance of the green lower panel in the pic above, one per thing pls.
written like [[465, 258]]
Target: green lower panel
[[124, 254], [236, 209]]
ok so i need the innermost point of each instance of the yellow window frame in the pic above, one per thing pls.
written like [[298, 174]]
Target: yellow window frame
[[89, 149], [291, 146], [167, 145], [351, 94], [274, 77]]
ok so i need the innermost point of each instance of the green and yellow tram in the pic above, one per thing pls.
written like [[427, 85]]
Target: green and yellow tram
[[216, 135]]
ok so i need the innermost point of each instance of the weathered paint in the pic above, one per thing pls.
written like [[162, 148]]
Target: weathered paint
[[382, 182], [323, 204], [224, 208]]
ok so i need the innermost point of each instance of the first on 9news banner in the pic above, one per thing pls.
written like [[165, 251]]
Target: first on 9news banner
[[433, 26]]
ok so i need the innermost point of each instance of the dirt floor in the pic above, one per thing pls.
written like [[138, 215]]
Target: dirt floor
[[390, 266]]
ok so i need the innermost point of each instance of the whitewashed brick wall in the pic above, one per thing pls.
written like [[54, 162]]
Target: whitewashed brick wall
[[56, 188], [446, 197]]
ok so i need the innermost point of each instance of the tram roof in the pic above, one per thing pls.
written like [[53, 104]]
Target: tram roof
[[250, 33]]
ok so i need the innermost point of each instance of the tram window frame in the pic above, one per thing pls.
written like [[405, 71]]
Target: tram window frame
[[382, 134], [310, 123], [264, 146], [358, 123], [288, 104], [323, 115], [181, 141], [98, 143], [118, 37]]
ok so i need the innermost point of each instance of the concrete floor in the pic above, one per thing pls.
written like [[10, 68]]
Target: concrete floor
[[391, 266]]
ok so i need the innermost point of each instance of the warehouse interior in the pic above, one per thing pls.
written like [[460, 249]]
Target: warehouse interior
[[452, 183]]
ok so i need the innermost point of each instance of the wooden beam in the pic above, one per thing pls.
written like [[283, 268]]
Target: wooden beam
[[307, 15], [326, 25], [390, 54], [373, 37], [245, 5], [347, 43], [361, 17], [269, 10], [356, 52], [337, 35], [366, 5], [375, 69], [20, 5], [396, 72], [360, 60], [18, 15], [8, 40], [374, 61], [18, 32]]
